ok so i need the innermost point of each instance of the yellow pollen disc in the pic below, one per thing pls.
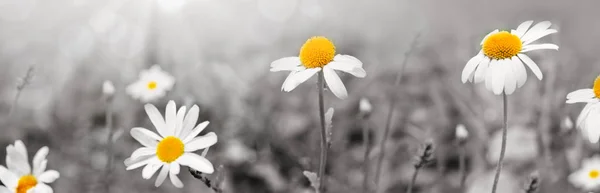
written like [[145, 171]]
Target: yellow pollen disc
[[594, 174], [169, 149], [597, 87], [317, 52], [502, 45], [151, 85], [25, 183]]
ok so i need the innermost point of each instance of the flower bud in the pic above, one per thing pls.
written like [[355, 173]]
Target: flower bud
[[108, 88], [461, 132]]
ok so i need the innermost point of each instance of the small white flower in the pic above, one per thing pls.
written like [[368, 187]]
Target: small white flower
[[173, 146], [108, 88], [589, 120], [151, 85], [588, 176], [318, 54], [19, 176], [500, 61], [461, 132]]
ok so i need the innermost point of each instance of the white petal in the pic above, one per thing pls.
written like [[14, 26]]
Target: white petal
[[531, 64], [21, 149], [38, 158], [190, 121], [581, 93], [142, 161], [298, 78], [42, 188], [489, 75], [17, 162], [8, 178], [201, 142], [584, 114], [175, 180], [145, 136], [510, 82], [540, 35], [498, 78], [179, 122], [150, 169], [155, 117], [471, 66], [522, 28], [4, 190], [488, 35], [334, 83], [520, 71], [40, 168], [196, 162], [49, 176], [288, 79], [481, 70], [578, 178], [195, 132], [532, 47], [582, 100], [170, 119], [143, 151], [162, 175], [285, 64], [175, 168], [592, 123], [348, 59], [535, 31], [348, 64]]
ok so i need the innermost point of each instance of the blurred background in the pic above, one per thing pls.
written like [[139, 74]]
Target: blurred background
[[219, 51]]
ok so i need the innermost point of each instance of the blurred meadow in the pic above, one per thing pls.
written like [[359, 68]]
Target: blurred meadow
[[219, 52]]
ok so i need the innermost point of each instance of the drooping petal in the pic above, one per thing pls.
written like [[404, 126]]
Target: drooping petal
[[532, 47], [175, 180], [531, 64], [299, 77], [285, 64], [481, 70], [145, 136], [155, 117], [498, 77], [195, 132], [348, 64], [289, 78], [489, 75], [592, 123], [196, 162], [520, 71], [162, 175], [535, 30], [190, 121], [334, 83], [142, 161], [143, 151], [523, 28], [510, 81], [170, 119], [49, 176], [175, 168], [201, 142], [471, 66], [150, 169]]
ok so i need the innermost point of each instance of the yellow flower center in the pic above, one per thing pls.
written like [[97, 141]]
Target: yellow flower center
[[151, 85], [594, 174], [597, 87], [25, 183], [502, 45], [169, 149], [317, 52]]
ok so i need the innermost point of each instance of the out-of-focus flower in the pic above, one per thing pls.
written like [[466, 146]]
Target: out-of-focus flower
[[365, 106], [588, 176], [151, 85], [20, 177], [500, 61], [173, 146], [108, 88], [318, 54], [589, 118], [461, 132]]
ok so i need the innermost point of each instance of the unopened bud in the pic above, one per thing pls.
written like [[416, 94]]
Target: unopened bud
[[425, 154], [567, 123], [365, 106], [533, 183], [461, 132], [108, 88]]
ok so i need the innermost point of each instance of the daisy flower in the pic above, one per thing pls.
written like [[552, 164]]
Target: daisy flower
[[19, 176], [316, 55], [588, 176], [172, 146], [589, 119], [151, 85], [500, 61]]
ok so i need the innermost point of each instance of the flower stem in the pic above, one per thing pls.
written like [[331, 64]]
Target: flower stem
[[414, 179], [109, 145], [462, 165], [324, 146], [503, 148], [198, 175], [366, 156]]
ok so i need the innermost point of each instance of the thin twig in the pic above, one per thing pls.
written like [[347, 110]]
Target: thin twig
[[324, 146], [424, 157], [23, 82], [388, 122], [198, 175], [414, 179], [462, 166], [503, 147], [365, 133]]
